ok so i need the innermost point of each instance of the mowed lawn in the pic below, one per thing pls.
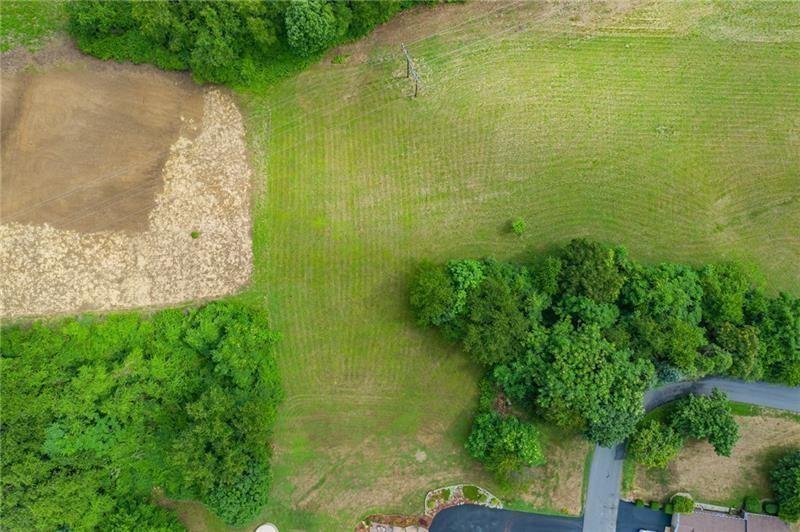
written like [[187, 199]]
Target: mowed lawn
[[672, 128]]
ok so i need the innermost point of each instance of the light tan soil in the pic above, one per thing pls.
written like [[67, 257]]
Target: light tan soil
[[717, 479], [84, 141], [148, 159]]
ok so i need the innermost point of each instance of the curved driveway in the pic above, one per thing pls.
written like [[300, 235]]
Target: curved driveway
[[472, 518], [605, 473]]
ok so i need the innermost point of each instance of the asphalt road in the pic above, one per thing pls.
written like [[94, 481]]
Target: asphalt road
[[605, 474], [471, 518], [633, 519]]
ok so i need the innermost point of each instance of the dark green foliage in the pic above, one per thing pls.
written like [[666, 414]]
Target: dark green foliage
[[724, 289], [771, 508], [546, 274], [682, 504], [310, 26], [501, 313], [433, 295], [466, 275], [439, 294], [701, 417], [664, 291], [669, 508], [104, 411], [743, 344], [655, 505], [238, 499], [671, 341], [504, 444], [778, 323], [471, 492], [665, 303], [583, 380], [666, 374], [224, 42], [752, 504], [580, 334], [585, 311], [593, 270], [785, 482], [639, 503], [655, 444], [518, 227]]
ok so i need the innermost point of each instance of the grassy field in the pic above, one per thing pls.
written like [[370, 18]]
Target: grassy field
[[29, 23], [671, 128]]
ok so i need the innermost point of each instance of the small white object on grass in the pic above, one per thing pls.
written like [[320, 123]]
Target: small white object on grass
[[267, 527]]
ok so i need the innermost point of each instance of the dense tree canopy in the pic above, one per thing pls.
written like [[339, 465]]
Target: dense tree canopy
[[655, 444], [578, 335], [701, 417], [505, 444], [583, 380], [224, 42], [105, 411], [785, 480]]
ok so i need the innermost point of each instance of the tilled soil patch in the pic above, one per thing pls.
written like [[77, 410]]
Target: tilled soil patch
[[84, 140], [197, 242]]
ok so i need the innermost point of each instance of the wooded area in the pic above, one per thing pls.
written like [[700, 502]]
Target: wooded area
[[579, 335], [107, 415], [224, 42]]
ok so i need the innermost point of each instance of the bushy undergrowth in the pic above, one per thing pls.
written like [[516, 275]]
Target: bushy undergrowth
[[785, 481], [102, 415], [225, 42], [577, 336]]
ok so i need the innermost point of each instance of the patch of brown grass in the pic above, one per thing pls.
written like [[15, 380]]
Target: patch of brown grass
[[558, 485], [717, 479]]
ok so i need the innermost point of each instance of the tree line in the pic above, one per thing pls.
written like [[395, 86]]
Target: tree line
[[102, 417], [578, 335], [224, 42]]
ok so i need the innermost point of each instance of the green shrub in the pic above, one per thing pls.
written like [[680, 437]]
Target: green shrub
[[669, 508], [195, 234], [518, 226], [471, 492], [310, 26], [655, 505], [655, 444], [639, 503], [785, 483], [701, 417], [682, 504], [752, 504], [771, 508]]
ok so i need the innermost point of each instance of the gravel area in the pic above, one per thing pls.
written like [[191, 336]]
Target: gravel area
[[44, 270]]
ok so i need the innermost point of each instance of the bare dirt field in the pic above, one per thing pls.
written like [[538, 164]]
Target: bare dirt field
[[84, 141], [716, 479], [121, 186]]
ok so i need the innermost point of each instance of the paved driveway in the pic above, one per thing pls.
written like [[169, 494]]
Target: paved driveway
[[633, 519], [471, 518]]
